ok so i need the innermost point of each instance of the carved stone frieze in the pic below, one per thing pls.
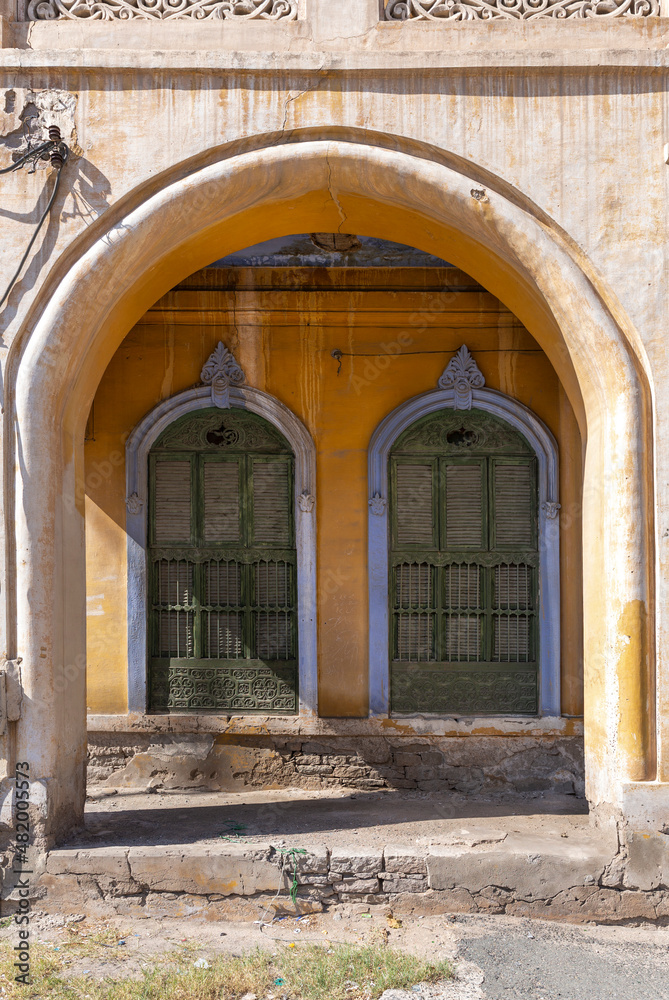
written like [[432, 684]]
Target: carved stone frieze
[[161, 10], [221, 372], [525, 10], [462, 375]]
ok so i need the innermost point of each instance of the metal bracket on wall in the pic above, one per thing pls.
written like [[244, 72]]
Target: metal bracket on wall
[[11, 693]]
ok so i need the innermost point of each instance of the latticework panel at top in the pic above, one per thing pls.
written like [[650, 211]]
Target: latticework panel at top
[[524, 10], [162, 10]]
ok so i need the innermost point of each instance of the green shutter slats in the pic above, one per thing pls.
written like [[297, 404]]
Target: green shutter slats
[[222, 583], [271, 503], [415, 638], [273, 635], [172, 510], [414, 504], [513, 586], [413, 585], [175, 619], [462, 586], [514, 505], [273, 584], [175, 582], [221, 502], [223, 635], [512, 639], [463, 638], [464, 506]]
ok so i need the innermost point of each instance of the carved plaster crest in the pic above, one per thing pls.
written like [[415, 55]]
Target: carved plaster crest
[[378, 504], [134, 503], [221, 371], [306, 502], [462, 375], [551, 508]]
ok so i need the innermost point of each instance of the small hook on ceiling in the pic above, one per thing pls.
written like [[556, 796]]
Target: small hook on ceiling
[[337, 355]]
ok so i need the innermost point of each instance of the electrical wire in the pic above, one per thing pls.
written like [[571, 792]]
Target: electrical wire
[[32, 154], [59, 153]]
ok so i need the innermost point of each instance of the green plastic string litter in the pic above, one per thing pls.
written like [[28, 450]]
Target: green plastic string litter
[[292, 852]]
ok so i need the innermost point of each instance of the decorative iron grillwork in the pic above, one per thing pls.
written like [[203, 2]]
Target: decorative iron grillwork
[[467, 692], [201, 687]]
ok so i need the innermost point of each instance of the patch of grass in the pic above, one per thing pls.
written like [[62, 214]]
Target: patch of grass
[[348, 971], [86, 941], [309, 972]]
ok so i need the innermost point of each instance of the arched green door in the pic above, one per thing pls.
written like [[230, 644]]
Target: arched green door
[[222, 567], [464, 567]]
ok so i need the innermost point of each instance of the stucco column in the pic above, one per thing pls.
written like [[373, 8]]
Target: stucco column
[[50, 599]]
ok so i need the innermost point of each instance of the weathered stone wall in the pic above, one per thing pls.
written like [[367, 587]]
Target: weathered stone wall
[[485, 873], [468, 765]]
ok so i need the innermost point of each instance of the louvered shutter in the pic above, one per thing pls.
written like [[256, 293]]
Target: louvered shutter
[[513, 505], [464, 505], [271, 503], [414, 503], [172, 511], [221, 502]]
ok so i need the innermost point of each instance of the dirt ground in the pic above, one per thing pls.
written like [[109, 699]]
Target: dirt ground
[[495, 958]]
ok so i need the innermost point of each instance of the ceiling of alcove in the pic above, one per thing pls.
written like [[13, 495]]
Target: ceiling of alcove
[[310, 250]]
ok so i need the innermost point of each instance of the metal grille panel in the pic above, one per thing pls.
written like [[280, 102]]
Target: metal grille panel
[[462, 586], [463, 638]]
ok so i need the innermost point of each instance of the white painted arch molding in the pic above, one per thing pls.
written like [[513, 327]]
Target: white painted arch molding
[[145, 434], [58, 360]]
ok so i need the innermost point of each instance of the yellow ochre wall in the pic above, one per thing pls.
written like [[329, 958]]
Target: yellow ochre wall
[[397, 329]]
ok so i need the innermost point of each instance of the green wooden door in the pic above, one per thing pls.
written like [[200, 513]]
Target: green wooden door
[[464, 567], [222, 567]]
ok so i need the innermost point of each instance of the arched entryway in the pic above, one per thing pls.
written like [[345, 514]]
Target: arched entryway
[[408, 193]]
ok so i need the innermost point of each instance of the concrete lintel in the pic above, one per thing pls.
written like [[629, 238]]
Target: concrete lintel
[[547, 727], [168, 60]]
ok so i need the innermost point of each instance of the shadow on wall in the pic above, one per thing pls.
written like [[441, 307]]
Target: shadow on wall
[[486, 766]]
